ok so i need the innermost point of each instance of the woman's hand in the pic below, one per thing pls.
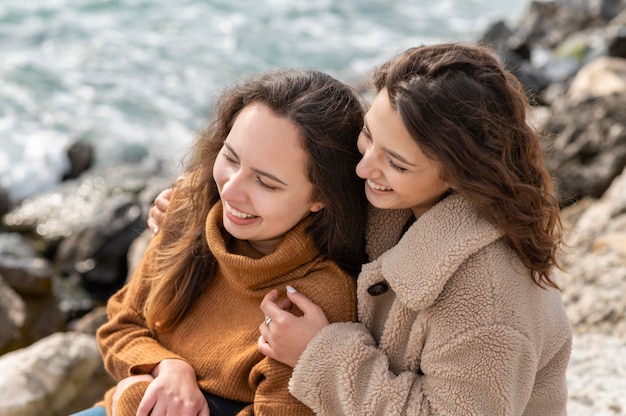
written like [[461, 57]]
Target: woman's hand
[[157, 210], [173, 392], [123, 385], [284, 336]]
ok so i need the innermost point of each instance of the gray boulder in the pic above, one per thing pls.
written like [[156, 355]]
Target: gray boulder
[[49, 375]]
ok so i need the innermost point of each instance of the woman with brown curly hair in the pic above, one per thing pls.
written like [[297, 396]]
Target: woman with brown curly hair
[[458, 310], [269, 199]]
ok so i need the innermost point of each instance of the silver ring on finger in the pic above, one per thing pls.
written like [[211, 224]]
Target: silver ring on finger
[[267, 321]]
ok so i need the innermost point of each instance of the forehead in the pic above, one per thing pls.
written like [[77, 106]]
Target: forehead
[[266, 141], [385, 123]]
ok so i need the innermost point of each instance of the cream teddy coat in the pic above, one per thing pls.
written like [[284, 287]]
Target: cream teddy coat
[[450, 323]]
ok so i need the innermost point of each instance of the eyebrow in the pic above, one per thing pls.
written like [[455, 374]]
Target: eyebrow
[[397, 156], [389, 151], [260, 172]]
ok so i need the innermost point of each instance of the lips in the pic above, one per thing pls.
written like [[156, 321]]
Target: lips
[[236, 213], [377, 187]]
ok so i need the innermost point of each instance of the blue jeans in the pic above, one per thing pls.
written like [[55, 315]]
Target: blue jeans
[[93, 411], [217, 405]]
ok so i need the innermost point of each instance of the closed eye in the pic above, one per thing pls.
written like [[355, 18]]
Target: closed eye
[[394, 166], [264, 185], [229, 154], [229, 158]]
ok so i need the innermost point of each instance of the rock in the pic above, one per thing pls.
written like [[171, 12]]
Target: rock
[[4, 201], [97, 253], [32, 307], [12, 317], [136, 251], [593, 279], [90, 323], [87, 224], [617, 42], [587, 146], [596, 376], [601, 77], [56, 214], [80, 155], [47, 376], [22, 268]]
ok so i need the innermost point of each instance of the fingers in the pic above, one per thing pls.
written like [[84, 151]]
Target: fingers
[[270, 299], [275, 309], [275, 314], [263, 347], [302, 302], [152, 225], [205, 410], [284, 304], [156, 214], [163, 199], [147, 404], [268, 304]]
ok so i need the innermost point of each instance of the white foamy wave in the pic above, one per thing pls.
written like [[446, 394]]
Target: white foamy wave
[[138, 77], [40, 165]]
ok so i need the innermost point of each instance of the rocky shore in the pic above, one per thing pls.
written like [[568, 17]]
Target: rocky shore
[[64, 252]]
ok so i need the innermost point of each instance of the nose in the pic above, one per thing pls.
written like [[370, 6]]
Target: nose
[[233, 187], [367, 165]]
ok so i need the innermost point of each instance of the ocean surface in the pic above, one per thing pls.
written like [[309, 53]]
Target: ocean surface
[[136, 78]]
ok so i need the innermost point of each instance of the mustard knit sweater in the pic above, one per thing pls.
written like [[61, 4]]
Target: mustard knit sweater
[[219, 335]]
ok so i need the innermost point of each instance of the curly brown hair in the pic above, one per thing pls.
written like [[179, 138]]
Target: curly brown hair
[[329, 116], [468, 114]]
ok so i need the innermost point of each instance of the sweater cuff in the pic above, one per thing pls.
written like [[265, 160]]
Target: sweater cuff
[[128, 402]]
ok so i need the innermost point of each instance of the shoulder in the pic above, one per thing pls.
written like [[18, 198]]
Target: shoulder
[[493, 287], [332, 289], [384, 228]]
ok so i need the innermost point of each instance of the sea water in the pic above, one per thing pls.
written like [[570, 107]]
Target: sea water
[[136, 78]]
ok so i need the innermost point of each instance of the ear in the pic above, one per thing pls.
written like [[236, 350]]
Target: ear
[[317, 206]]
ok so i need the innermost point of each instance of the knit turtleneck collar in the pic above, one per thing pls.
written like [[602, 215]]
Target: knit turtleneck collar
[[248, 269]]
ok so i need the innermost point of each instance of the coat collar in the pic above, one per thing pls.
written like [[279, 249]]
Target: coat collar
[[420, 264]]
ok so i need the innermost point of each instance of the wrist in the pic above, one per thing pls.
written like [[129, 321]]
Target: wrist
[[172, 365]]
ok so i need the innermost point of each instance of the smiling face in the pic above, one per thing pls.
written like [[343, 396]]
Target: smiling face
[[260, 174], [398, 174]]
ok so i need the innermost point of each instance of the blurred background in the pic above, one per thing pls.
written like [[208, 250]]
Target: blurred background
[[99, 99], [135, 78]]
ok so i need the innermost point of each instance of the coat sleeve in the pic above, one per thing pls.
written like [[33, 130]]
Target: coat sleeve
[[343, 372]]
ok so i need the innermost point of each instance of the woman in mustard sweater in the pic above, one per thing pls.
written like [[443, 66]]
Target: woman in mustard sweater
[[269, 200]]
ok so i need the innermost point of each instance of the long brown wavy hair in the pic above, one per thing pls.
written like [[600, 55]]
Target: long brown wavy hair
[[329, 116], [468, 114]]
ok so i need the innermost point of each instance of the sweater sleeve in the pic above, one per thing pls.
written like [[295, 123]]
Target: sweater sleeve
[[126, 343], [343, 372], [269, 379]]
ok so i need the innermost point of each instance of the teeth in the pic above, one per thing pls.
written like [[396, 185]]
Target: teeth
[[376, 186], [238, 214]]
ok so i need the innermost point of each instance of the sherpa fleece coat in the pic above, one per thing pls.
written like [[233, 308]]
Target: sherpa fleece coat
[[219, 335], [450, 323]]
